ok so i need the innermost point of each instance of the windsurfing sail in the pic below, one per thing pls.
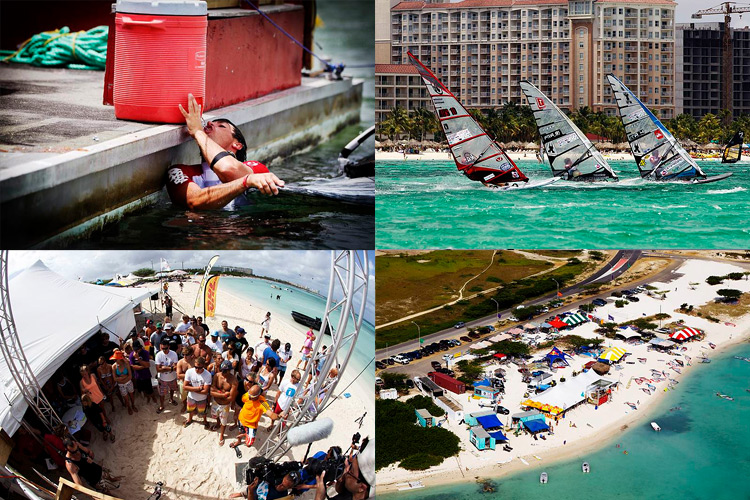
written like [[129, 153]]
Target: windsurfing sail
[[571, 155], [476, 155], [733, 151], [657, 153]]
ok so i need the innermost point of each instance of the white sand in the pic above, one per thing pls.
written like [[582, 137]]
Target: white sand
[[446, 156], [155, 447], [594, 427]]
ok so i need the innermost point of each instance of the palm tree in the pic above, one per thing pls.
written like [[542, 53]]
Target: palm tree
[[423, 122], [400, 120]]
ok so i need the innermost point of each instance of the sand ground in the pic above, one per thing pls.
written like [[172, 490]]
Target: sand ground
[[153, 447], [594, 427]]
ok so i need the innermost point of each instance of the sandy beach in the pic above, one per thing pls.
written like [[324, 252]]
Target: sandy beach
[[446, 156], [153, 447], [595, 427]]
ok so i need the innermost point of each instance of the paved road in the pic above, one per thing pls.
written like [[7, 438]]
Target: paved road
[[614, 268], [422, 366]]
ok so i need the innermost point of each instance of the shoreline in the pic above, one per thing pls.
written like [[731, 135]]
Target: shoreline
[[554, 455], [608, 421]]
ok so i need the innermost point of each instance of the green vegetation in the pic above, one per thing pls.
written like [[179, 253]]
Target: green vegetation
[[620, 303], [401, 440], [511, 294], [714, 280], [512, 122], [729, 294], [597, 255], [144, 272], [470, 370], [425, 402], [577, 342], [394, 380]]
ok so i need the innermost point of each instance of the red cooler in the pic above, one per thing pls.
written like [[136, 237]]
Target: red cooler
[[160, 58]]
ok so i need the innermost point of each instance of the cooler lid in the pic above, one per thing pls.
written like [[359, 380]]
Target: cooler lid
[[163, 7]]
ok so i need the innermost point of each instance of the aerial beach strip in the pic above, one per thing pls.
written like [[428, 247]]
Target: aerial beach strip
[[594, 427]]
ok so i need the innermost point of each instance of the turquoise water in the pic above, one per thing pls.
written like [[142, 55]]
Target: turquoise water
[[430, 205], [701, 452], [259, 293]]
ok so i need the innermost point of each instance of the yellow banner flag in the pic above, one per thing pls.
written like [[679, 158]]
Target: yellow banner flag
[[209, 300]]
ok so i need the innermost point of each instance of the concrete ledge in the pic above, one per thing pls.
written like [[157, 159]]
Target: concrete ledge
[[46, 197]]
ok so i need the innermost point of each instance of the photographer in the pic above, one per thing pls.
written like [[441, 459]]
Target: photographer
[[358, 479], [262, 490]]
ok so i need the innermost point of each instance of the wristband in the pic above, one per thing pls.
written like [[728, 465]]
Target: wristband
[[244, 182], [219, 157]]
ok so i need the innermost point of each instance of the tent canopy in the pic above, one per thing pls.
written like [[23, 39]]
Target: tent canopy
[[489, 421], [40, 298], [556, 355], [557, 323], [500, 337], [516, 331], [569, 393], [684, 334], [612, 354], [575, 319], [536, 425], [662, 343], [499, 436]]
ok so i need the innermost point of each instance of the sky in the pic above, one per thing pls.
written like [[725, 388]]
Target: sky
[[308, 268], [685, 8]]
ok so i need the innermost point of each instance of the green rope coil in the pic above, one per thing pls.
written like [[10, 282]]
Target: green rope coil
[[61, 48]]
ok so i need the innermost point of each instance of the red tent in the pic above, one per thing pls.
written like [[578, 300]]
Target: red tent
[[684, 334], [500, 355], [557, 323], [589, 365]]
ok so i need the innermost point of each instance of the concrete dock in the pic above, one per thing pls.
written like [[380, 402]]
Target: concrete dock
[[68, 166]]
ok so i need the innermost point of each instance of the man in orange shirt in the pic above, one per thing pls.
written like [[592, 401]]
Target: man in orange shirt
[[254, 406]]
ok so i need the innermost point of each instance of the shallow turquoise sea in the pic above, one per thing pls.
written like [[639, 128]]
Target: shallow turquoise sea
[[430, 205], [701, 452]]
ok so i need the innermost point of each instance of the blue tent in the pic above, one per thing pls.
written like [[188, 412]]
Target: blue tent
[[556, 355], [536, 425], [482, 382], [499, 436], [489, 421]]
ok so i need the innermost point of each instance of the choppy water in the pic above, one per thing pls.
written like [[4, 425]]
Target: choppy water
[[259, 293], [430, 205], [285, 221], [701, 451]]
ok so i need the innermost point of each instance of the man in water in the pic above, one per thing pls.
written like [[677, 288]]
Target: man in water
[[224, 174]]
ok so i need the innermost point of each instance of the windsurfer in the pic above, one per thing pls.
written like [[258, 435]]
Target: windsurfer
[[224, 174]]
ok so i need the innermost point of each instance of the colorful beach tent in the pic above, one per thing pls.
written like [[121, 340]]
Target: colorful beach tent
[[565, 394], [500, 337], [499, 436], [575, 319], [556, 355], [489, 421], [662, 343], [684, 334], [536, 425], [628, 333], [527, 326], [499, 355], [480, 345], [40, 298], [557, 323], [613, 354]]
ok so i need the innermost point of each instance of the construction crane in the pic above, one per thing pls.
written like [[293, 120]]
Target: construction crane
[[726, 8]]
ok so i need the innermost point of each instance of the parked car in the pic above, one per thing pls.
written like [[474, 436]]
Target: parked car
[[454, 343], [474, 335], [599, 302], [633, 298], [444, 347], [401, 359], [627, 293], [460, 324], [380, 365], [409, 383], [435, 365], [502, 410], [416, 354], [446, 371], [378, 381], [466, 338], [388, 360], [491, 328], [544, 310], [617, 294]]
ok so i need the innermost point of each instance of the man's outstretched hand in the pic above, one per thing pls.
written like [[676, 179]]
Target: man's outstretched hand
[[265, 183], [192, 115]]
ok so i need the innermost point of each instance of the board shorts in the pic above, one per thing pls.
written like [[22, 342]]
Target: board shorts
[[221, 412], [183, 392], [193, 405], [126, 389], [250, 432], [165, 387]]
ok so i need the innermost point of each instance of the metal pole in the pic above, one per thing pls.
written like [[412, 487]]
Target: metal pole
[[419, 335], [728, 62], [558, 286], [497, 308]]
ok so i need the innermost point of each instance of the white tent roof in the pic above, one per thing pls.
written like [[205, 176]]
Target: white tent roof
[[568, 393], [41, 299]]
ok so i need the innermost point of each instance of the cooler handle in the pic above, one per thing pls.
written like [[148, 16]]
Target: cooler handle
[[156, 23]]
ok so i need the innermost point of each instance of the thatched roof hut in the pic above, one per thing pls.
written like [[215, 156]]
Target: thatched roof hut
[[601, 368]]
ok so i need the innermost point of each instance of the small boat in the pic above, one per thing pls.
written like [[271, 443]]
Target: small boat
[[712, 345], [585, 467], [643, 360], [679, 362], [742, 358], [724, 396], [705, 360], [652, 387], [411, 485], [647, 391], [632, 405], [310, 322], [543, 478], [655, 426]]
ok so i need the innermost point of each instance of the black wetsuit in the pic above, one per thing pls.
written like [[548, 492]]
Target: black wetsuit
[[91, 472]]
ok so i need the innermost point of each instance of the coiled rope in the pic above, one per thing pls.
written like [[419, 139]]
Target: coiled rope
[[61, 48]]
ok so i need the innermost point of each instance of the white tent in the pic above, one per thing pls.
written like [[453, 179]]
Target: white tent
[[569, 393], [54, 316]]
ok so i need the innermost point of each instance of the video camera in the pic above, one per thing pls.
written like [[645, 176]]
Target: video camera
[[271, 472]]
